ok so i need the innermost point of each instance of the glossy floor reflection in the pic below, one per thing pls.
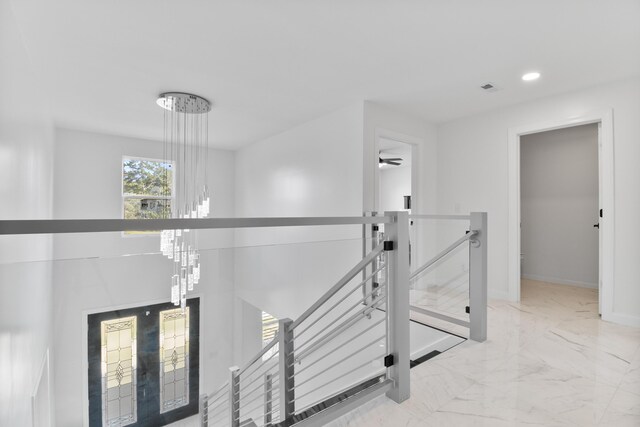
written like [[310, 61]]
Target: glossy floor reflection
[[549, 361]]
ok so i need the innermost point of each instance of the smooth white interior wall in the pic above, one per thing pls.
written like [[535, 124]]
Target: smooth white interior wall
[[395, 183], [26, 140], [472, 176], [314, 169], [559, 205], [88, 185]]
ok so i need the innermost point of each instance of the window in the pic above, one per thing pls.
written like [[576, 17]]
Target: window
[[143, 365], [147, 188]]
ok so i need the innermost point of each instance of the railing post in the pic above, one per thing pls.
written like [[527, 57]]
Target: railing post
[[268, 394], [478, 277], [397, 232], [368, 286], [234, 396], [286, 371], [204, 411]]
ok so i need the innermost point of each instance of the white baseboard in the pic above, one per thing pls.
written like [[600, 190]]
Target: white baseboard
[[557, 281], [622, 319]]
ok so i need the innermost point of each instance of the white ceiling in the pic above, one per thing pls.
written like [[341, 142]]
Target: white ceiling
[[269, 65]]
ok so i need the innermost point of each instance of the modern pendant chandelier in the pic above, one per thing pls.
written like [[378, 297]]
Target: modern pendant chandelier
[[186, 149]]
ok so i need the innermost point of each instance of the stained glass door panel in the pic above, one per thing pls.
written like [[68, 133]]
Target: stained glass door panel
[[118, 361], [174, 359]]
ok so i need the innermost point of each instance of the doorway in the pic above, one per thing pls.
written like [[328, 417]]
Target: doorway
[[394, 164], [395, 192], [604, 121], [559, 210]]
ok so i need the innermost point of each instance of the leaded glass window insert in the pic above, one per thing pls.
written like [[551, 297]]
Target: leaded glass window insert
[[174, 359], [118, 362]]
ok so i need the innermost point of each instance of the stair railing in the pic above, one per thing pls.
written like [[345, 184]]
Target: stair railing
[[477, 288], [342, 351]]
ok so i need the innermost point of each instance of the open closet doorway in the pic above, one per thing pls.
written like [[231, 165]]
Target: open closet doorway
[[604, 217], [559, 214]]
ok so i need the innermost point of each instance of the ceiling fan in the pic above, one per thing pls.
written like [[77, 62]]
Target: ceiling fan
[[395, 161]]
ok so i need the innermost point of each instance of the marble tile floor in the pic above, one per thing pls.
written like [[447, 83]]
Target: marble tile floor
[[549, 361]]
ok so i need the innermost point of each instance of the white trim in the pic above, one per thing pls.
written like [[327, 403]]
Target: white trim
[[607, 229], [417, 145], [557, 281]]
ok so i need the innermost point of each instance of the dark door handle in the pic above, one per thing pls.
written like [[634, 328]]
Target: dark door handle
[[596, 225]]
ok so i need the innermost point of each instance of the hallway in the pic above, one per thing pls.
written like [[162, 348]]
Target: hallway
[[548, 361]]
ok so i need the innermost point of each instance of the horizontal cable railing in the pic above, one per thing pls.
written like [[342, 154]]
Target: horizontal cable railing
[[345, 345]]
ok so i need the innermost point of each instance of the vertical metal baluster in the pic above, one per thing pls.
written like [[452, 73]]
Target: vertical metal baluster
[[268, 404], [234, 396], [204, 411], [286, 371]]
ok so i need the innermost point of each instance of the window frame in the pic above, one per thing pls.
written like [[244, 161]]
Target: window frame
[[123, 196]]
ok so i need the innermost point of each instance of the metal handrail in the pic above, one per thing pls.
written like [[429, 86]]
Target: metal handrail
[[354, 305], [442, 254], [392, 293], [338, 329], [215, 393], [56, 226], [320, 359], [261, 353], [341, 283], [432, 216], [368, 362], [369, 277], [344, 359]]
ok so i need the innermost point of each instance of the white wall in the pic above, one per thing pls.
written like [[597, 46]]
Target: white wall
[[314, 169], [395, 183], [88, 185], [26, 139], [559, 205], [379, 120], [472, 175]]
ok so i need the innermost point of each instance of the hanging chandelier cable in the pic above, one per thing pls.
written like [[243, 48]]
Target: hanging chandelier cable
[[186, 154]]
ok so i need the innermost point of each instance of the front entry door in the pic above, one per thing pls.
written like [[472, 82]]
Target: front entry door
[[143, 365]]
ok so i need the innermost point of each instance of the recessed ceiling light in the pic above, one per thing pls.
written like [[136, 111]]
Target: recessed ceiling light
[[531, 76]]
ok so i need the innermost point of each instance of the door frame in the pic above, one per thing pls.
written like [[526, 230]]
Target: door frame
[[606, 200], [416, 144]]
